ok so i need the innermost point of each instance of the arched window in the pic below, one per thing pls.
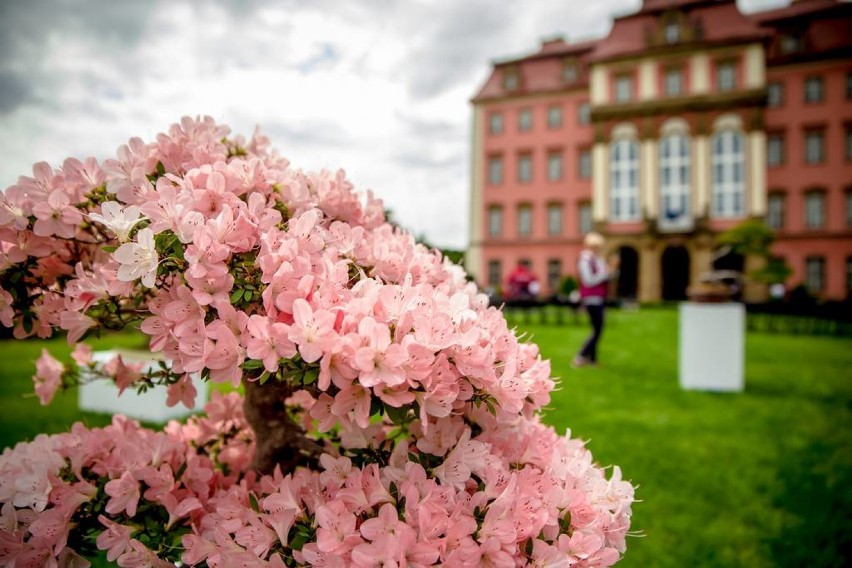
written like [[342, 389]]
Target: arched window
[[728, 165], [674, 176], [624, 180]]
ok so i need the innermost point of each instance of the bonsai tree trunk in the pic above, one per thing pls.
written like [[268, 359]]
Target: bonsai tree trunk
[[278, 439]]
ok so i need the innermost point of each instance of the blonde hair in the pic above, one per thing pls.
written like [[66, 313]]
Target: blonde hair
[[593, 240]]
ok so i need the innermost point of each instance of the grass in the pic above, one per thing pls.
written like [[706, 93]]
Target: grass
[[761, 478]]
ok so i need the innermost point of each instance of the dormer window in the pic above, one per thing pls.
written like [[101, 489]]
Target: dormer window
[[569, 72], [672, 33], [791, 44], [510, 79]]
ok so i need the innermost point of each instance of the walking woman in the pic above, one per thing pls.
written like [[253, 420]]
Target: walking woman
[[595, 275]]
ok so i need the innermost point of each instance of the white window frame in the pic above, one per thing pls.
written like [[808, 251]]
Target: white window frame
[[815, 273], [774, 149], [775, 211], [675, 159], [815, 209], [623, 88], [554, 219], [554, 116], [495, 170], [674, 82], [728, 157], [814, 89], [525, 220], [726, 76], [554, 274], [495, 221], [814, 146], [495, 272], [672, 33], [525, 172], [775, 94], [495, 123], [554, 165], [624, 180]]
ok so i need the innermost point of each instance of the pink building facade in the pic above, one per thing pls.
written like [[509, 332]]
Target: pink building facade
[[689, 118]]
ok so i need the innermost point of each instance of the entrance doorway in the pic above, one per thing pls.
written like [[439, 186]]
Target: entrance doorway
[[628, 273], [674, 272]]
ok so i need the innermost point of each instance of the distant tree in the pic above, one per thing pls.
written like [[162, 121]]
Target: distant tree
[[754, 238]]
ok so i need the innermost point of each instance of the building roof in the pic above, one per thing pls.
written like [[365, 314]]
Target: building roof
[[708, 21]]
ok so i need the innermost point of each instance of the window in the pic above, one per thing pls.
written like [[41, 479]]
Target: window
[[585, 162], [524, 120], [495, 221], [495, 123], [674, 175], [728, 184], [554, 116], [815, 274], [726, 76], [584, 113], [775, 211], [674, 82], [775, 149], [813, 89], [791, 44], [849, 85], [510, 79], [815, 209], [585, 222], [814, 146], [623, 88], [524, 168], [524, 220], [554, 219], [775, 94], [495, 273], [554, 165], [569, 72], [495, 170], [672, 32], [554, 274], [624, 180]]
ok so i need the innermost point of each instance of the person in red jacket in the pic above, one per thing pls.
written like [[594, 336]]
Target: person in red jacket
[[522, 284], [595, 275]]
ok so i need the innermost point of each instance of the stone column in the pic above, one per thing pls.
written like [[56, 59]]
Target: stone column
[[650, 285], [649, 187], [756, 206], [701, 175]]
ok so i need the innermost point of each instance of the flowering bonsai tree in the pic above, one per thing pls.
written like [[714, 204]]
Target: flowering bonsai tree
[[389, 418]]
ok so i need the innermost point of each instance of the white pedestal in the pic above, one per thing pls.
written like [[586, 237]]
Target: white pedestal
[[102, 395], [712, 346]]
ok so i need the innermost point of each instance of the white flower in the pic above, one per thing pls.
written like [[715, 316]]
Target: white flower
[[120, 220], [138, 259]]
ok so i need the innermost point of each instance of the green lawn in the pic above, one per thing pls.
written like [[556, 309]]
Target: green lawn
[[762, 478]]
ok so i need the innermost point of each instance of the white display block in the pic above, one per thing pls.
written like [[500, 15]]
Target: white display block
[[712, 346], [102, 395]]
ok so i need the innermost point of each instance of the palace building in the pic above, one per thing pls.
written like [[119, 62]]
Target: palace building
[[687, 119]]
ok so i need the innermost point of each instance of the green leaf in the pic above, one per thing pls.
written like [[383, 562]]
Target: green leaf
[[253, 501], [310, 376], [237, 295], [247, 295], [251, 364], [109, 248], [161, 169], [399, 415]]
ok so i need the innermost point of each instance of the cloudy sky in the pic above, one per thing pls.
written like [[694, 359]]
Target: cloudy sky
[[378, 87]]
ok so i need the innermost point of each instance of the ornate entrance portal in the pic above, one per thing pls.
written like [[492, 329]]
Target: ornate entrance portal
[[674, 273]]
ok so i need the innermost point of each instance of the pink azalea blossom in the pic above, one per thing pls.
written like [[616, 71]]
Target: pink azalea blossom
[[139, 259], [124, 493], [48, 377], [118, 219]]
